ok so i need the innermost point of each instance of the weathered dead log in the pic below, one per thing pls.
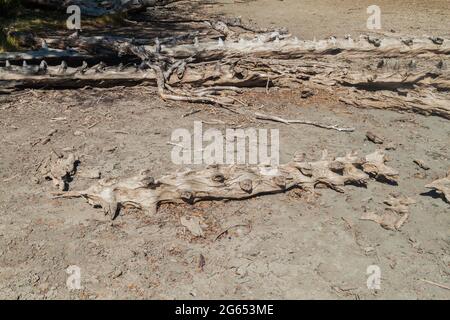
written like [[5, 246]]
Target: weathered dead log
[[42, 76], [422, 98], [48, 55], [277, 46], [362, 72], [233, 182], [379, 80], [426, 102], [272, 47]]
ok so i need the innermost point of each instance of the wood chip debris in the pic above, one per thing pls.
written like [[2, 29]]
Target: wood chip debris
[[394, 216], [193, 225]]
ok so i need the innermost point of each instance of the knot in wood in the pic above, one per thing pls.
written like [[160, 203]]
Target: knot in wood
[[280, 181], [186, 195], [218, 177], [246, 185]]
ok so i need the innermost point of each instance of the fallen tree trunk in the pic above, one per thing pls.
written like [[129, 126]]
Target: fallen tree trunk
[[62, 76], [49, 55], [363, 72], [233, 182], [426, 93], [274, 46], [426, 102]]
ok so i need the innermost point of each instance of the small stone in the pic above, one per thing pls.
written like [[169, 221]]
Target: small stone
[[35, 180], [420, 175], [390, 146], [374, 138], [306, 93], [369, 249], [241, 271], [117, 273]]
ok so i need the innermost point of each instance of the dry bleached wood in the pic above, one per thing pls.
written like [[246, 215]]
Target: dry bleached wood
[[274, 45], [441, 186], [363, 73], [395, 215], [436, 284], [307, 122], [193, 224], [44, 54], [233, 182], [425, 102]]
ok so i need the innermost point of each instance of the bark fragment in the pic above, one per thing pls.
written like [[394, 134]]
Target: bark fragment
[[441, 186], [394, 216], [59, 169]]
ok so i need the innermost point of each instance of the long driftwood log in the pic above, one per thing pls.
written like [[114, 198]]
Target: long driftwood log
[[233, 182], [274, 45], [392, 73]]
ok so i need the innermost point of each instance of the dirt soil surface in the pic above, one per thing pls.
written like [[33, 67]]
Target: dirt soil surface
[[295, 245], [324, 18]]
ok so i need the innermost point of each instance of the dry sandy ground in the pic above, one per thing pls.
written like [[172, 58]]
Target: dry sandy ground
[[285, 246], [323, 18], [293, 245]]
